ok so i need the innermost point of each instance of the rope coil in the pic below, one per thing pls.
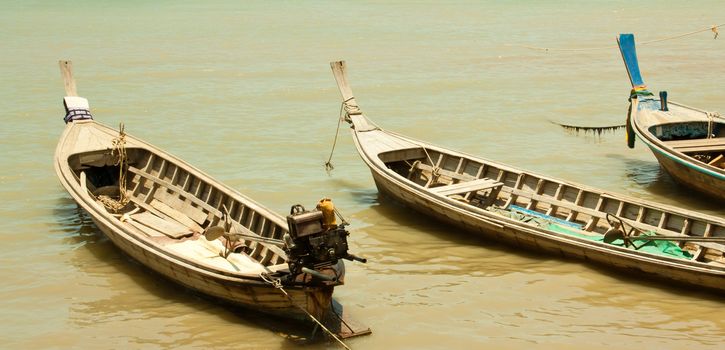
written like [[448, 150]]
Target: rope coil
[[118, 151]]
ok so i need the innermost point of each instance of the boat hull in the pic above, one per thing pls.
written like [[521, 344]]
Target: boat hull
[[244, 289], [523, 209], [253, 295], [688, 175], [523, 237]]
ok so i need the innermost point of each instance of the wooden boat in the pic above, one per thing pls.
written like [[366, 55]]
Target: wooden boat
[[194, 230], [529, 210], [688, 142]]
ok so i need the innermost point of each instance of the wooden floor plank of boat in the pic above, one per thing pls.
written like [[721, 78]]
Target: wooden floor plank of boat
[[169, 228]]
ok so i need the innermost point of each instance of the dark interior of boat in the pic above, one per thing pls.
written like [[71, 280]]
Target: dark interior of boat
[[703, 141]]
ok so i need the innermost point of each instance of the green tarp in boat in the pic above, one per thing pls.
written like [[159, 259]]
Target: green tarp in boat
[[658, 247]]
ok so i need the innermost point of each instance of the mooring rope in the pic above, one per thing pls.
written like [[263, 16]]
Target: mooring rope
[[118, 151], [712, 28], [276, 283], [328, 164]]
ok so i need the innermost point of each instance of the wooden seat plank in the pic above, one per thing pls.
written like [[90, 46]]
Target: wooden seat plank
[[465, 187], [169, 228], [698, 145], [176, 189]]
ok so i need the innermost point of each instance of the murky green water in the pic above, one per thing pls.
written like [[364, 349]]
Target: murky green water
[[244, 91]]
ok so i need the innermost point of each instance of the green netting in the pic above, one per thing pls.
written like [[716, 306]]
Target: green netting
[[658, 247]]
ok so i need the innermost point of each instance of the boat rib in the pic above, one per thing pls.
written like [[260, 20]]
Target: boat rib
[[533, 211]]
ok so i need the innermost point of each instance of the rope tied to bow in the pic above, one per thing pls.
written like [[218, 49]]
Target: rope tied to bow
[[345, 110]]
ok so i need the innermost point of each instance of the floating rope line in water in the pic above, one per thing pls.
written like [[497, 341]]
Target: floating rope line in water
[[712, 28], [598, 130]]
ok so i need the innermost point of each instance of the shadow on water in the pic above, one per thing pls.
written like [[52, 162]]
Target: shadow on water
[[650, 176], [422, 224], [405, 216], [363, 195], [82, 232]]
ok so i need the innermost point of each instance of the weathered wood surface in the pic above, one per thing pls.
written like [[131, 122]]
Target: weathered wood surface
[[145, 236], [408, 181], [167, 227], [698, 145], [465, 187], [69, 83], [171, 202]]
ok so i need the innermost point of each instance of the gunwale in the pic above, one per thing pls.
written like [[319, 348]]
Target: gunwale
[[96, 211], [243, 288], [162, 224], [647, 113], [371, 142]]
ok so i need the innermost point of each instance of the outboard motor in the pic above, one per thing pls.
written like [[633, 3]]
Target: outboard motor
[[315, 240]]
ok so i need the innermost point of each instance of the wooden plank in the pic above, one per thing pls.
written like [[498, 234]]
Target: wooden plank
[[185, 208], [176, 215], [602, 215], [573, 211], [514, 193], [339, 70], [148, 231], [176, 189], [479, 173], [698, 145], [169, 228], [467, 186], [539, 187], [718, 161], [83, 180], [496, 190], [66, 71], [444, 172], [557, 195], [143, 205], [593, 220]]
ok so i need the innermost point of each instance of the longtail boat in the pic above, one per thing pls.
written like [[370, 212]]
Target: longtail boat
[[195, 231], [524, 209], [689, 143]]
